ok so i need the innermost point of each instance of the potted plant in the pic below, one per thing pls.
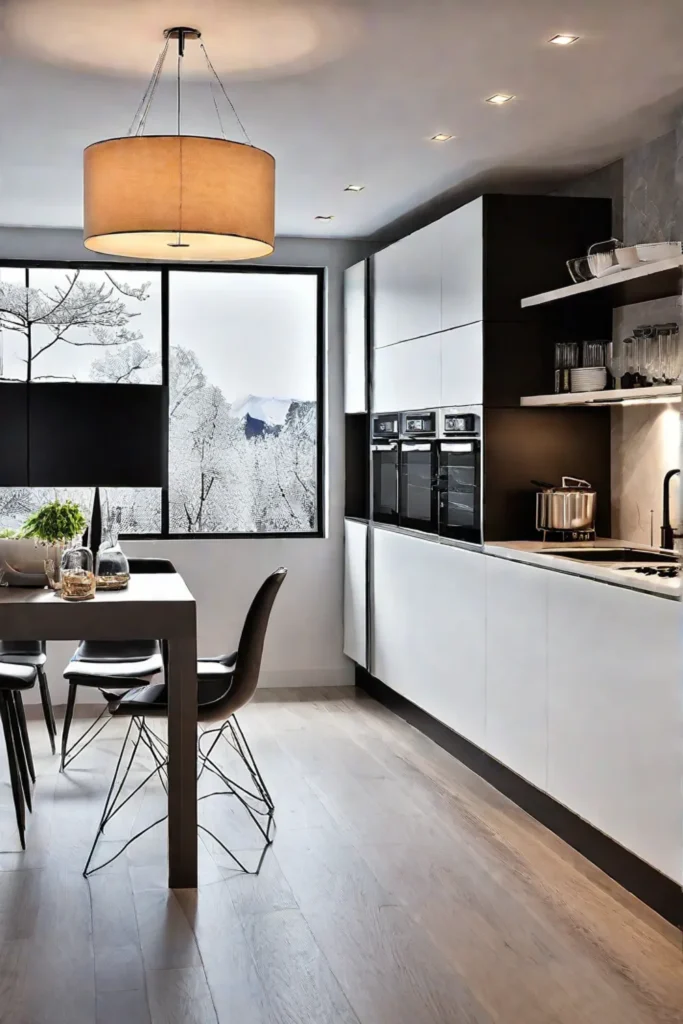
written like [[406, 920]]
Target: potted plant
[[32, 555]]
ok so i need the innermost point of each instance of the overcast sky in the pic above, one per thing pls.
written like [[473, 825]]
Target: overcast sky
[[253, 333]]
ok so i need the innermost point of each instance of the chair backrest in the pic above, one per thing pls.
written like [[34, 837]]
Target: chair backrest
[[146, 566], [250, 650], [29, 648]]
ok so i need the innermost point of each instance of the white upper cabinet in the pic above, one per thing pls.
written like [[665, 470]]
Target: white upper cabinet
[[407, 287], [462, 290], [355, 352], [429, 628], [408, 375], [615, 716], [462, 365], [355, 590]]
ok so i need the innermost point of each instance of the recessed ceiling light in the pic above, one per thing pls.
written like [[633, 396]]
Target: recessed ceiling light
[[441, 137], [354, 188], [325, 216], [499, 98], [563, 40]]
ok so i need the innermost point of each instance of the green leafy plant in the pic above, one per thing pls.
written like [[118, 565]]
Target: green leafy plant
[[7, 534], [54, 523]]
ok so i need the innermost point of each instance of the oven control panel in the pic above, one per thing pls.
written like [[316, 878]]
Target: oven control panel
[[462, 423], [385, 426], [418, 423]]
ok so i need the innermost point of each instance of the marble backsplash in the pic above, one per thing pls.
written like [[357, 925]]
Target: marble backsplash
[[645, 445]]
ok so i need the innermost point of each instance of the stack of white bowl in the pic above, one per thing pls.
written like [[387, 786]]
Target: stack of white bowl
[[588, 378]]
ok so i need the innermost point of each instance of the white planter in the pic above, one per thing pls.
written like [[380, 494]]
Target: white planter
[[22, 562]]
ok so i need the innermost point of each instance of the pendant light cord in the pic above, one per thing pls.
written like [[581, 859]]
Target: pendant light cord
[[137, 125], [222, 88], [180, 143]]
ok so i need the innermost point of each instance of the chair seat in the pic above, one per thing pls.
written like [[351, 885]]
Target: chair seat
[[152, 699], [93, 673], [17, 677], [36, 660], [117, 650]]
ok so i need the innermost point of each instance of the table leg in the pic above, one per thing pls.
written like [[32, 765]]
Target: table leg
[[182, 762]]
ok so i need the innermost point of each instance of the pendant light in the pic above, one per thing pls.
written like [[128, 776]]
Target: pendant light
[[179, 197]]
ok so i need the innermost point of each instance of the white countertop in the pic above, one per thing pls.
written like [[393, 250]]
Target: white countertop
[[532, 552]]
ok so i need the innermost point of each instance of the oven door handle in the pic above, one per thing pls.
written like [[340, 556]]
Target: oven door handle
[[459, 446], [409, 447]]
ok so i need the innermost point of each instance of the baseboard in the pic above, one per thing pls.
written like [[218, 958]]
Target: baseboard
[[658, 891]]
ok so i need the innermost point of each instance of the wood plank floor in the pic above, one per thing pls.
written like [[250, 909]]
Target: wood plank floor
[[401, 889]]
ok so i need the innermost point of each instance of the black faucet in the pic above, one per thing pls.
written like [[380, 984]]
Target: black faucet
[[667, 540]]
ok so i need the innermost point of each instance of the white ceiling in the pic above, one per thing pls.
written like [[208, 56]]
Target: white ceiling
[[340, 91]]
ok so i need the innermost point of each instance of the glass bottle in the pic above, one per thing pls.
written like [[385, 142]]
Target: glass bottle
[[78, 578], [112, 570]]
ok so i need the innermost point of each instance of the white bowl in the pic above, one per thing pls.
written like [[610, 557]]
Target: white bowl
[[650, 252], [628, 256]]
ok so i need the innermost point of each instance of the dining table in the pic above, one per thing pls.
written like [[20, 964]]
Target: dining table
[[158, 606]]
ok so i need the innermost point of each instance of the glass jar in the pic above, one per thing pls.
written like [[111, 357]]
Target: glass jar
[[112, 571], [77, 576]]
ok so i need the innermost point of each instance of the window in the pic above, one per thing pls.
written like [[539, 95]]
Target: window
[[243, 431], [80, 325], [241, 351]]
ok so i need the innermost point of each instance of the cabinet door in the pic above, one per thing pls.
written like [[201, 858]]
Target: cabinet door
[[355, 358], [355, 591], [462, 366], [408, 375], [516, 677], [614, 714], [428, 627], [407, 287], [462, 275]]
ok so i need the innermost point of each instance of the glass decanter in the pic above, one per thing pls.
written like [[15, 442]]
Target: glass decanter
[[112, 570], [77, 576]]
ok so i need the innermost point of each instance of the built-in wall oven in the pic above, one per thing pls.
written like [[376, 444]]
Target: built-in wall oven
[[418, 505], [459, 474], [384, 449]]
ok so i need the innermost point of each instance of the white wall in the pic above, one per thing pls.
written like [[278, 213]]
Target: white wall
[[304, 646]]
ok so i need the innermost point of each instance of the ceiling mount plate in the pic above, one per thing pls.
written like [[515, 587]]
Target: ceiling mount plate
[[188, 33], [182, 33]]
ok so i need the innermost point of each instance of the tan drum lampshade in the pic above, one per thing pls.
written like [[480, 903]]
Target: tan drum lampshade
[[171, 197]]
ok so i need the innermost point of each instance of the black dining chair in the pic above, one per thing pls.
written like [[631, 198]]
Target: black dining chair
[[14, 680], [32, 652], [225, 685], [126, 661]]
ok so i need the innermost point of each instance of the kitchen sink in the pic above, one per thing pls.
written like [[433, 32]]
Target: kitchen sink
[[613, 555]]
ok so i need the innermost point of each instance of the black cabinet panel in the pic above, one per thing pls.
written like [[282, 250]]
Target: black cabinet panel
[[13, 435], [107, 435]]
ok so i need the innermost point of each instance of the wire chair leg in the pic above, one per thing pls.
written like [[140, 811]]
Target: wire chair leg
[[23, 729], [19, 750], [48, 711], [248, 758], [17, 791]]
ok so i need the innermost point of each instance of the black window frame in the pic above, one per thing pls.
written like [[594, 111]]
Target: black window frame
[[321, 351]]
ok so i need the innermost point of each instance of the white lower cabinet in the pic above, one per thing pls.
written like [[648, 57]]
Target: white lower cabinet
[[614, 714], [429, 628], [516, 679], [355, 591]]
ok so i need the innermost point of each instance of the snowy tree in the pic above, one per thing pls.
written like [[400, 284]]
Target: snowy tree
[[78, 312], [123, 365]]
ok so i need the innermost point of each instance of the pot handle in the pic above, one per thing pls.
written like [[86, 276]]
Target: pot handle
[[573, 481]]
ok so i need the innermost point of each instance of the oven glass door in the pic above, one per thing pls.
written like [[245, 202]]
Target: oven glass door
[[418, 504], [385, 482], [460, 489]]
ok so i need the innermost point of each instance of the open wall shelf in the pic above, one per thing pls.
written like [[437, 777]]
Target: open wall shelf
[[619, 396], [641, 284]]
